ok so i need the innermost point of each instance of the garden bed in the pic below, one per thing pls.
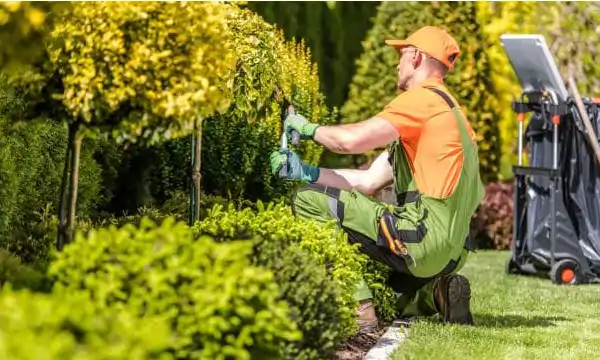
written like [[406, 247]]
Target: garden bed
[[356, 347]]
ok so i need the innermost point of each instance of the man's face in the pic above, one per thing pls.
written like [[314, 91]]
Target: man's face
[[406, 66]]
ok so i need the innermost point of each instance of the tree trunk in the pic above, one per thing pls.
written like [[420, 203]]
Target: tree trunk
[[192, 186], [75, 151], [64, 188], [197, 176]]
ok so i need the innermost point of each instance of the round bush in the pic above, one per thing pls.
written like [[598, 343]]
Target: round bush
[[37, 326], [276, 226], [218, 305]]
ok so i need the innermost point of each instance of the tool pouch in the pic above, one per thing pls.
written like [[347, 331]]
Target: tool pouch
[[389, 237]]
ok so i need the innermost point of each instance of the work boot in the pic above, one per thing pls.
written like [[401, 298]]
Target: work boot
[[452, 294], [367, 318]]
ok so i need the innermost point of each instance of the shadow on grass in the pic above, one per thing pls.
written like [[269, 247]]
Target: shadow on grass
[[513, 321]]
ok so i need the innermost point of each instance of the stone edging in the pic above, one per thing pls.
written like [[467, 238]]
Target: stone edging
[[389, 341]]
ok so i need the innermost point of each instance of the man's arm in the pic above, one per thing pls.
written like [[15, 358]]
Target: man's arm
[[356, 138], [368, 181]]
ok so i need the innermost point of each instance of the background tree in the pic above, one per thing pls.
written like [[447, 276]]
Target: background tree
[[333, 31], [134, 72]]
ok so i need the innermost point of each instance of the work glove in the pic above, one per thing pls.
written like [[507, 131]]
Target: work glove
[[296, 169], [300, 124]]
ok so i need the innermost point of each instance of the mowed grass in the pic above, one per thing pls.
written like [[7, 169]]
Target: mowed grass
[[517, 317]]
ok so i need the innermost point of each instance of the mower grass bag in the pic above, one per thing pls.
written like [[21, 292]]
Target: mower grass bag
[[571, 253]]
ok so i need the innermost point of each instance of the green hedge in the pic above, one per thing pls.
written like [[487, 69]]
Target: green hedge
[[31, 166], [218, 305], [332, 30], [318, 285], [37, 326], [375, 80]]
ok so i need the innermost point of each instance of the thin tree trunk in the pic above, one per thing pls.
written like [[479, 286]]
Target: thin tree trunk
[[197, 176], [76, 151], [64, 188], [192, 186]]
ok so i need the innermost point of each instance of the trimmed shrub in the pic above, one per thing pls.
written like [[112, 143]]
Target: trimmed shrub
[[278, 230], [218, 305], [375, 82], [239, 141], [492, 224], [314, 299], [37, 326]]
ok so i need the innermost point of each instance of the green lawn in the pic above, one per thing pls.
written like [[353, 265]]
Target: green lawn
[[516, 317]]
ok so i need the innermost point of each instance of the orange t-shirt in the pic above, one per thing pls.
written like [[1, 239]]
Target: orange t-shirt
[[430, 136]]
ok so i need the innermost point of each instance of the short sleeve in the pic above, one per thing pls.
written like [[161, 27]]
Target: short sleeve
[[403, 113]]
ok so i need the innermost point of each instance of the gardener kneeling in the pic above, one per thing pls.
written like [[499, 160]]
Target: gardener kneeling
[[431, 160]]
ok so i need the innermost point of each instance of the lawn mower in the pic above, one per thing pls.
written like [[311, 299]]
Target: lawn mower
[[556, 211]]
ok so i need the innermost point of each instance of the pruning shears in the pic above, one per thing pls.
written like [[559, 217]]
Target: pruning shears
[[288, 109]]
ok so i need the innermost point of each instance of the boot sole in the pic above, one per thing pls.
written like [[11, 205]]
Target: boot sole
[[459, 301]]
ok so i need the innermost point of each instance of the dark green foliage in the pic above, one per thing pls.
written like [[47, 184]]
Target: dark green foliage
[[31, 162], [19, 275], [37, 326], [375, 82], [376, 276], [313, 298], [332, 30], [312, 265], [147, 176], [218, 305]]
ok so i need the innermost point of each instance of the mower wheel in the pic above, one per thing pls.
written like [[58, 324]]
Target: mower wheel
[[512, 268], [565, 272]]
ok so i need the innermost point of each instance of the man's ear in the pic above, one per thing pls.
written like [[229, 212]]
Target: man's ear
[[417, 59]]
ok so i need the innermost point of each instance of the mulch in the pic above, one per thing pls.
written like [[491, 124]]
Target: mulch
[[356, 347]]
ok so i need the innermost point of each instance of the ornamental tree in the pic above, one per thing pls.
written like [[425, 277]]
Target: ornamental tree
[[139, 71]]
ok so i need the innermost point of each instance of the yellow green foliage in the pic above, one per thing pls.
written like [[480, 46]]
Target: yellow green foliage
[[140, 69], [499, 18], [64, 326], [23, 27], [374, 83], [276, 225], [218, 305], [238, 141], [569, 29]]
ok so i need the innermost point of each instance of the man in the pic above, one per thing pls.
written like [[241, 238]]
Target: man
[[431, 160]]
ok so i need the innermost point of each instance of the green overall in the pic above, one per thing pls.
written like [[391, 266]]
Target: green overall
[[421, 238]]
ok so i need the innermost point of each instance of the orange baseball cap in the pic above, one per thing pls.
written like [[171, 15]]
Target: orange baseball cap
[[433, 41]]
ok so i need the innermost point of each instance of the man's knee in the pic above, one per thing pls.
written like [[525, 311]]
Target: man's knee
[[316, 202]]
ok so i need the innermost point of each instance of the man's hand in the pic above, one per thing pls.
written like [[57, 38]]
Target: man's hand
[[296, 169], [300, 124]]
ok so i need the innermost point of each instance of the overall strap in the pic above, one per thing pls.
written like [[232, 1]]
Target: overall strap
[[443, 95]]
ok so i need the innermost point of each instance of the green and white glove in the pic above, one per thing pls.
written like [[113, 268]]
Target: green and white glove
[[296, 169], [300, 124]]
